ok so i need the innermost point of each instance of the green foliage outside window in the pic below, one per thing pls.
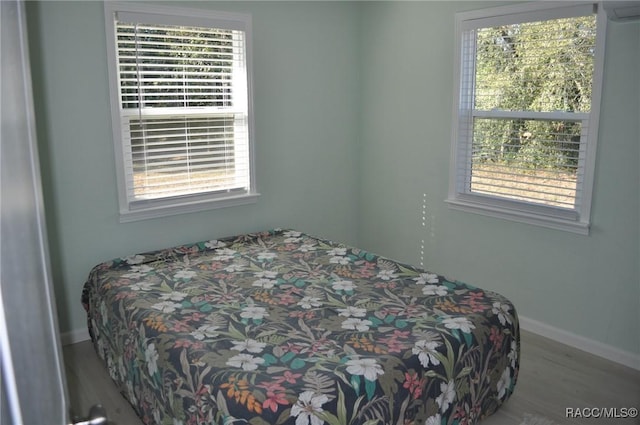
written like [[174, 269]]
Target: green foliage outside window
[[534, 67]]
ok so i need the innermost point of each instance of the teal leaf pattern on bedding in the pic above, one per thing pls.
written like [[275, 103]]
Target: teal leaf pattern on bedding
[[281, 327]]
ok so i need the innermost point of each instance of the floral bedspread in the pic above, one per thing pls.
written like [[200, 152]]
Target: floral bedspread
[[281, 328]]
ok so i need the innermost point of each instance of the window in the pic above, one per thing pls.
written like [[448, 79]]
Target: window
[[526, 113], [181, 108]]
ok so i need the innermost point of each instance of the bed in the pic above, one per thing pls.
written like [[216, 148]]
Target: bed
[[281, 327]]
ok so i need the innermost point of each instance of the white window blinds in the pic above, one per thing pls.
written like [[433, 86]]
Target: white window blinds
[[531, 98], [183, 109], [524, 124]]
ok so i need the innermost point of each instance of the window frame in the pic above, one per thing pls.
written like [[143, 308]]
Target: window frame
[[460, 196], [178, 204]]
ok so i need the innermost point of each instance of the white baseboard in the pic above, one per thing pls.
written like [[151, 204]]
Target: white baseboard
[[591, 346], [72, 337]]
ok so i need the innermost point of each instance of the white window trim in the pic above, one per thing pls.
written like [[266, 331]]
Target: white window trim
[[577, 221], [133, 211]]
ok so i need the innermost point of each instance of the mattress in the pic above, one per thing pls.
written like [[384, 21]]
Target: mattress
[[281, 327]]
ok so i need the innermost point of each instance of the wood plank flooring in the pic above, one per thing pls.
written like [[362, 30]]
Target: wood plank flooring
[[553, 377]]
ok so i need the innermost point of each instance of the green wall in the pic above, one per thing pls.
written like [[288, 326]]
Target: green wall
[[353, 117], [305, 100], [586, 285]]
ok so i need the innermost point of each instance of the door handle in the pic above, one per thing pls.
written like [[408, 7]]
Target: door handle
[[97, 416]]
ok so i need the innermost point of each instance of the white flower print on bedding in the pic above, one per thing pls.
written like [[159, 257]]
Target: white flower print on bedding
[[254, 312], [266, 274], [205, 331], [266, 256], [426, 352], [435, 290], [173, 296], [166, 306], [151, 357], [134, 259], [138, 271], [504, 382], [309, 302], [425, 278], [352, 311], [433, 420], [308, 407], [461, 323], [387, 274], [142, 286], [213, 244], [306, 247], [224, 254], [369, 368], [185, 274], [360, 325], [250, 345], [447, 396], [246, 362], [343, 285], [502, 310]]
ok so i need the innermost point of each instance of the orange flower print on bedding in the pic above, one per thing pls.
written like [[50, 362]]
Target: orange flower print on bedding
[[155, 322], [367, 345], [449, 306], [238, 390]]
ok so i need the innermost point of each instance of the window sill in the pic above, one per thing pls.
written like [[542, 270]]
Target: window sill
[[567, 221], [148, 212]]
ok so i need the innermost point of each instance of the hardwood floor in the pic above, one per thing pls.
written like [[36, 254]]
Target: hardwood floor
[[88, 383], [553, 377]]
